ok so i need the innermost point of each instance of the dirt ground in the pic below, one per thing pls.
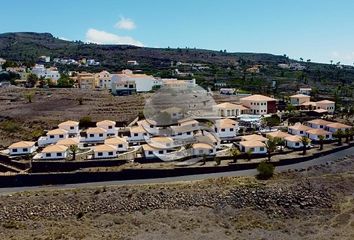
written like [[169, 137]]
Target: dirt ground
[[314, 204]]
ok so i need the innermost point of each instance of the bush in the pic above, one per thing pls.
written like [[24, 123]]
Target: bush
[[265, 170], [85, 122], [9, 126]]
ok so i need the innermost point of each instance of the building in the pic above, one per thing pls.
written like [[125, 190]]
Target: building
[[183, 132], [318, 123], [254, 137], [175, 113], [259, 104], [105, 151], [69, 142], [161, 142], [152, 152], [326, 105], [22, 148], [293, 141], [72, 127], [178, 84], [230, 110], [143, 82], [298, 99], [96, 134], [120, 143], [137, 134], [109, 126], [85, 80], [47, 73], [226, 128], [306, 91], [123, 87], [54, 152], [53, 136], [298, 129], [278, 134], [103, 80], [253, 146], [314, 134], [334, 127], [132, 63], [201, 149]]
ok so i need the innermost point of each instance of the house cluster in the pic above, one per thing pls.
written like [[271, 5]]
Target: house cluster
[[41, 71], [82, 62], [303, 101]]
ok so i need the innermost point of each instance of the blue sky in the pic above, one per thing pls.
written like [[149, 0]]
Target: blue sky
[[321, 30]]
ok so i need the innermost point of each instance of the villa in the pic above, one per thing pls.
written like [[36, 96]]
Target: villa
[[314, 134], [326, 105], [105, 151], [200, 149], [109, 126], [259, 104], [334, 127], [96, 134], [137, 134], [226, 128], [22, 148], [54, 152], [254, 146], [254, 137], [151, 151], [318, 123], [293, 141], [72, 127], [230, 110], [69, 142], [298, 99], [278, 134], [298, 129], [53, 136], [120, 143]]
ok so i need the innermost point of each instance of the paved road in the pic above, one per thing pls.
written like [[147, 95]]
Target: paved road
[[252, 172]]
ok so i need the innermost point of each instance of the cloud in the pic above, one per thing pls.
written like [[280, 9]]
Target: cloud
[[64, 38], [125, 23], [102, 37]]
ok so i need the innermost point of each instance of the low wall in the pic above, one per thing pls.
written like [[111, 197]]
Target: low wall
[[36, 179]]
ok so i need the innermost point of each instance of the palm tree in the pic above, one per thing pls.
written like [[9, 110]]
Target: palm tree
[[249, 154], [271, 146], [305, 141], [339, 135], [73, 149], [321, 138], [234, 152], [347, 135]]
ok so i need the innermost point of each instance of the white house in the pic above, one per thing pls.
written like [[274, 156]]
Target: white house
[[48, 73], [149, 125], [259, 104], [69, 142], [293, 141], [314, 134], [53, 136], [120, 143], [201, 149], [72, 127], [152, 152], [298, 99], [298, 129], [54, 152], [226, 128], [306, 91], [105, 151], [278, 134], [22, 148], [161, 142], [334, 127], [182, 132], [256, 147], [254, 137], [137, 134], [104, 80], [96, 134], [326, 105], [318, 123], [227, 109], [109, 126], [143, 82]]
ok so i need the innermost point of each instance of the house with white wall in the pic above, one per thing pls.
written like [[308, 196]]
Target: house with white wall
[[53, 136], [259, 104], [109, 126], [69, 142], [298, 129], [318, 123], [334, 127], [314, 134], [72, 127], [326, 105], [256, 147], [104, 80], [293, 141], [22, 148], [226, 128], [54, 152], [96, 134], [254, 137], [201, 149], [137, 134], [298, 99], [227, 109], [143, 82], [105, 151], [120, 143], [152, 152]]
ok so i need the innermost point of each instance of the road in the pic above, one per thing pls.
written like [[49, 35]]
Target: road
[[251, 172]]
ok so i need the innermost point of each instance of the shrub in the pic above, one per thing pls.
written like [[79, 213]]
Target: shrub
[[9, 126], [265, 170], [85, 122]]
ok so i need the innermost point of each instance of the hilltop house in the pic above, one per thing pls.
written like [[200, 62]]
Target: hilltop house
[[109, 126], [53, 136], [259, 104], [103, 80], [225, 128], [105, 151], [326, 105], [143, 82], [22, 148], [54, 152], [96, 134], [72, 127], [298, 99]]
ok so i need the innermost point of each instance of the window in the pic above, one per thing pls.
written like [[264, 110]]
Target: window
[[120, 145], [301, 132], [48, 155], [201, 151], [252, 149], [25, 150], [59, 154], [92, 135], [231, 129], [261, 148], [161, 152], [189, 133], [51, 136], [100, 154], [61, 136], [110, 127], [150, 153], [297, 144], [211, 151], [100, 135], [223, 129], [151, 126], [72, 128], [14, 150], [110, 153], [136, 134]]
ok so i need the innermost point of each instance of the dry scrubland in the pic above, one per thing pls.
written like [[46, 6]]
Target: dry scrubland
[[317, 203], [23, 120]]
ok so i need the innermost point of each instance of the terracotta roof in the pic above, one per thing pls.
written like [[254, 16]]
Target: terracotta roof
[[278, 134], [68, 141], [202, 146], [320, 122], [318, 132], [147, 147], [320, 110], [104, 148], [57, 131], [161, 139], [187, 121], [254, 137], [137, 129], [226, 123], [325, 102], [228, 105], [54, 148], [252, 143], [308, 103], [69, 123], [338, 125], [22, 144], [299, 127], [94, 130], [105, 123], [293, 138], [300, 96], [115, 140], [258, 97]]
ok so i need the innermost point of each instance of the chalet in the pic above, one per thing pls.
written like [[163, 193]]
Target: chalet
[[22, 148]]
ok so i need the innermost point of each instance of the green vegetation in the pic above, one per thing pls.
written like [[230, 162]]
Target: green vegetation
[[65, 81], [339, 134], [271, 121], [265, 170], [321, 140], [73, 149], [85, 122], [234, 152], [29, 96], [305, 142], [271, 146], [9, 126]]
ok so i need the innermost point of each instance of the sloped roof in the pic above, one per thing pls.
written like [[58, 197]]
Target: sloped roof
[[54, 149], [115, 140], [293, 138], [318, 131], [106, 123], [320, 122], [104, 148], [258, 97], [94, 130], [22, 144], [299, 127], [326, 102], [68, 141], [252, 143], [68, 123], [338, 125], [57, 131], [202, 146], [300, 96], [254, 137], [278, 134]]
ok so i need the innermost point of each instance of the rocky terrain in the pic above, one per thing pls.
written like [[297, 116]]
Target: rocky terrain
[[315, 203]]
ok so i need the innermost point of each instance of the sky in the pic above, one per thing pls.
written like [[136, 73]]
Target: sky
[[320, 30]]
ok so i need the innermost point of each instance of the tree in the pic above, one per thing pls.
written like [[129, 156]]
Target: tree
[[339, 135], [321, 139], [271, 146], [85, 122], [73, 149], [265, 170], [271, 121], [249, 154], [32, 79], [351, 133], [347, 135], [65, 81], [234, 152], [305, 142]]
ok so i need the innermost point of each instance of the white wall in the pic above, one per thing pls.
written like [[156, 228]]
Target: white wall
[[54, 155], [22, 151], [106, 154], [51, 139], [96, 137], [72, 130], [294, 145], [257, 107]]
